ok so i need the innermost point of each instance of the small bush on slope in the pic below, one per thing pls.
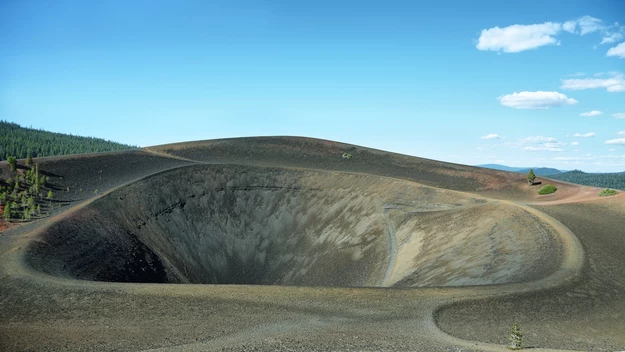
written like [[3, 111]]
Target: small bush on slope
[[608, 192], [547, 189]]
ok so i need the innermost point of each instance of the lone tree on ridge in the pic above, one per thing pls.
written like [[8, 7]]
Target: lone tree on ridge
[[531, 177]]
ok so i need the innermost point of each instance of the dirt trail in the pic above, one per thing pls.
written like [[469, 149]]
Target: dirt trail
[[167, 155], [570, 270]]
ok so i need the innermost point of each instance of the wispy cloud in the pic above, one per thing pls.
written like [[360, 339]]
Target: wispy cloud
[[575, 143], [619, 115], [591, 113], [518, 37], [543, 149], [622, 133], [615, 141], [618, 51], [615, 83], [612, 38], [535, 100], [583, 25], [585, 135], [536, 144], [492, 136], [612, 34]]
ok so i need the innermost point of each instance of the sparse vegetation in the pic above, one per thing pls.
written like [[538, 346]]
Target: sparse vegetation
[[547, 189], [22, 194], [516, 338], [608, 192], [347, 156], [531, 177]]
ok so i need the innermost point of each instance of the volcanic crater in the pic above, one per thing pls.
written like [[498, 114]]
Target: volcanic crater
[[252, 225]]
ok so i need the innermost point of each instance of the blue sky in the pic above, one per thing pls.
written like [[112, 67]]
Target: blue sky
[[471, 82]]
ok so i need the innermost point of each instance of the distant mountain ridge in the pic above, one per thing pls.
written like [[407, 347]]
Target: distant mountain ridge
[[538, 171], [615, 180]]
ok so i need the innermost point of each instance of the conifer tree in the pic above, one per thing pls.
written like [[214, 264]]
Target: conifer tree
[[12, 161], [7, 212], [531, 177], [516, 338]]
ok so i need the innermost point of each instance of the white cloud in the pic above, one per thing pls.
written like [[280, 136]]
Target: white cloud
[[575, 143], [612, 38], [591, 113], [539, 139], [491, 136], [612, 34], [536, 144], [616, 83], [535, 100], [619, 115], [611, 150], [585, 135], [543, 149], [615, 141], [583, 25], [516, 38], [622, 133], [606, 74], [569, 26], [618, 50]]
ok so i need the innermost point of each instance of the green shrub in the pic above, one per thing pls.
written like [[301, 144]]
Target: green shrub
[[547, 189], [608, 192]]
